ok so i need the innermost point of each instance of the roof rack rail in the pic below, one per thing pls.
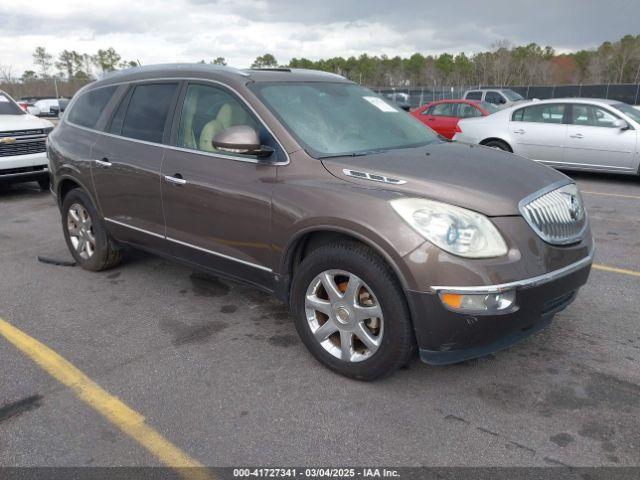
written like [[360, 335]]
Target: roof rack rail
[[271, 69]]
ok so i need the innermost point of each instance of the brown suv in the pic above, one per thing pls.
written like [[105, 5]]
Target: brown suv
[[382, 237]]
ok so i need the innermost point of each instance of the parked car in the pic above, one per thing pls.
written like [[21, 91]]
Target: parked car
[[501, 97], [571, 133], [381, 236], [401, 99], [48, 107], [56, 110], [443, 116], [23, 138]]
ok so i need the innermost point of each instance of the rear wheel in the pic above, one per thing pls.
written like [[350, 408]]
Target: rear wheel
[[87, 239], [44, 184], [351, 312], [498, 144]]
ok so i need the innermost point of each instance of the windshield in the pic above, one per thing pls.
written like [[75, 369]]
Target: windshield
[[335, 119], [628, 110], [489, 107], [8, 106], [512, 96]]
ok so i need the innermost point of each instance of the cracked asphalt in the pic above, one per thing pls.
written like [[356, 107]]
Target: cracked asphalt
[[217, 368]]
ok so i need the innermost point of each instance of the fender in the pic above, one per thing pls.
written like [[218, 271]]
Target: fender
[[361, 233]]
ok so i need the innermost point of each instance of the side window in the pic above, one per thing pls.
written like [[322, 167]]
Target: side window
[[494, 97], [467, 111], [580, 114], [87, 109], [206, 111], [591, 116], [603, 118], [443, 110], [474, 96], [147, 111], [546, 113]]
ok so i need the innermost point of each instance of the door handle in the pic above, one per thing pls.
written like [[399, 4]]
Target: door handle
[[176, 179], [577, 135], [103, 163], [519, 131]]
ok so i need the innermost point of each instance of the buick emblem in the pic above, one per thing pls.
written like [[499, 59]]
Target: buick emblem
[[574, 207]]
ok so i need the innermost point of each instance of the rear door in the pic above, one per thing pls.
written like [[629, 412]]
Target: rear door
[[441, 117], [218, 205], [594, 142], [127, 163], [538, 132]]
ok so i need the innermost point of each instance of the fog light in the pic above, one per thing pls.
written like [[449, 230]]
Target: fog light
[[480, 303]]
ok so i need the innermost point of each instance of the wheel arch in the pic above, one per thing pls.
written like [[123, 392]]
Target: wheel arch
[[497, 139], [66, 183], [310, 238]]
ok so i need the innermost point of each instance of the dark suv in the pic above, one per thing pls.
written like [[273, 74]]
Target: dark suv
[[383, 238]]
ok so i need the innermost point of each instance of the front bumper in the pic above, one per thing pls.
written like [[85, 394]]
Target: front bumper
[[24, 174], [445, 336]]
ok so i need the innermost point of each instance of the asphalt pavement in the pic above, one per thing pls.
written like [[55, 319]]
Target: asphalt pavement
[[216, 367]]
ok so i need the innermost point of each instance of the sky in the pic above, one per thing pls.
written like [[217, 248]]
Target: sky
[[166, 31]]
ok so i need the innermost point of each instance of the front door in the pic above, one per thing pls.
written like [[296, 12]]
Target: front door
[[127, 164], [442, 118], [538, 132], [594, 142], [217, 205]]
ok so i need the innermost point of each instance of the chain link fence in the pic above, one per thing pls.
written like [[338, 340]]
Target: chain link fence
[[416, 96]]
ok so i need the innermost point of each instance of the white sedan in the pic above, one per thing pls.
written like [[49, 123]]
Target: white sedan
[[570, 133]]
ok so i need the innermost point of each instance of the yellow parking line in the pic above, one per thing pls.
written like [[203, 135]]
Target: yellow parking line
[[636, 197], [607, 268], [123, 417]]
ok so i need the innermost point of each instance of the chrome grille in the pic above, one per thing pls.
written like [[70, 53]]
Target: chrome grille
[[23, 142], [557, 216]]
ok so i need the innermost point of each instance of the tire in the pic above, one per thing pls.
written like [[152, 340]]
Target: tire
[[104, 252], [499, 144], [390, 335], [44, 184]]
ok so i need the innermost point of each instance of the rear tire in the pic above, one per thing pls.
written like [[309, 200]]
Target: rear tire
[[499, 144], [87, 239], [372, 308], [44, 184]]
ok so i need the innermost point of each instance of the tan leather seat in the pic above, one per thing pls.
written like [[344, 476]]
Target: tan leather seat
[[229, 115]]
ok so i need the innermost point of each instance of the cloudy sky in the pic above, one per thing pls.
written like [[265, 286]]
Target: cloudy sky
[[189, 30]]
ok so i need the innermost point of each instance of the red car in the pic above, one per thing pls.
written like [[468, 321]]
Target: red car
[[443, 115]]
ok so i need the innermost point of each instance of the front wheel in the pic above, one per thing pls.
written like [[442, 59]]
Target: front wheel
[[351, 312], [88, 241]]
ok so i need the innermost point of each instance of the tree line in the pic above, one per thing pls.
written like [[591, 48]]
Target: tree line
[[502, 65]]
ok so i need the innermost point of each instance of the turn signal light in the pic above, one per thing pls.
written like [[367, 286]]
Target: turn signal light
[[486, 303]]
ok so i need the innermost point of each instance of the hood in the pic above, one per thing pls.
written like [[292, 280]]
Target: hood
[[22, 122], [479, 178]]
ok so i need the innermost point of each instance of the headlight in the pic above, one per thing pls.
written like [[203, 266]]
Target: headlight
[[453, 229]]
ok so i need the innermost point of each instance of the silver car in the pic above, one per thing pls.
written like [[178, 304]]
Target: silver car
[[500, 97], [570, 133]]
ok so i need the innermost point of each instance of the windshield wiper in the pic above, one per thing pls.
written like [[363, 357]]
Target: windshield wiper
[[355, 154]]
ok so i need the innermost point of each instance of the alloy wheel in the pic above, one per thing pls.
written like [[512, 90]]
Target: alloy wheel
[[80, 229], [344, 315]]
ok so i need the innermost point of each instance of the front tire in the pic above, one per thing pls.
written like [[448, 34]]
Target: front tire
[[87, 239], [351, 312]]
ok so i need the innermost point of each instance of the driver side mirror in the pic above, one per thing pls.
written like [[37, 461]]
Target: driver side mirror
[[241, 139], [621, 124]]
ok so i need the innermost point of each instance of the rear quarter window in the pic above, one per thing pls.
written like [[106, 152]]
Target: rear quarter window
[[87, 109]]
